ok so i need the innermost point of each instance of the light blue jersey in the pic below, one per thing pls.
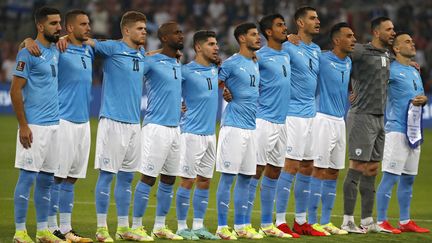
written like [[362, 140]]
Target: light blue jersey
[[200, 93], [304, 76], [241, 76], [404, 84], [122, 85], [163, 78], [333, 80], [40, 91], [275, 84], [74, 83]]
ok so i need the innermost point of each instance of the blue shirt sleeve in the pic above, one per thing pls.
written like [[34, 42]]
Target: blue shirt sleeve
[[22, 64], [224, 72], [105, 48]]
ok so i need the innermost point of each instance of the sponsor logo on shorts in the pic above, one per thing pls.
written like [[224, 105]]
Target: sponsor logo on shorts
[[29, 160], [150, 167], [358, 151], [226, 164], [392, 165], [185, 168], [289, 149], [319, 158]]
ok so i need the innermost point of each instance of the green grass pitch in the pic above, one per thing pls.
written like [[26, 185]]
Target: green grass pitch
[[84, 215]]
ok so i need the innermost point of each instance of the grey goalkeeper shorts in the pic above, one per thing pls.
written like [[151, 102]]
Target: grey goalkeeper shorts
[[366, 137]]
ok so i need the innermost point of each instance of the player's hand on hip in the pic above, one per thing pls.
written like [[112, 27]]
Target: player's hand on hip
[[25, 136], [420, 100], [352, 97], [183, 107], [227, 95], [32, 47]]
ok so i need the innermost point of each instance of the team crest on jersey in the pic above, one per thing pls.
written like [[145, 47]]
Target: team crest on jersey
[[20, 66], [227, 164], [315, 53], [358, 151], [415, 74], [286, 59], [213, 71]]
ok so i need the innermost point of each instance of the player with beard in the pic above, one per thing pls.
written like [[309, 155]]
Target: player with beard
[[365, 124], [35, 100], [160, 141], [300, 151], [274, 89], [236, 153], [198, 139]]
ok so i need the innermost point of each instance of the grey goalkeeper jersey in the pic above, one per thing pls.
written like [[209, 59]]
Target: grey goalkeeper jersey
[[369, 78]]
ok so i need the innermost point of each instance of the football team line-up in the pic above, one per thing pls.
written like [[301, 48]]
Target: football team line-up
[[283, 124]]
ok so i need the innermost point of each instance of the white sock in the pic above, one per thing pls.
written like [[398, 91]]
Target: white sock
[[221, 226], [136, 222], [101, 220], [404, 221], [300, 218], [20, 226], [265, 225], [366, 221], [122, 221], [197, 224], [42, 226], [52, 223], [347, 218], [159, 222], [65, 223], [238, 226], [280, 219], [181, 225]]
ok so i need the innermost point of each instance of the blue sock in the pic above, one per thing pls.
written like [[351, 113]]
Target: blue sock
[[22, 194], [42, 195], [383, 194], [268, 192], [314, 199], [302, 192], [102, 191], [223, 197], [200, 202], [283, 189], [164, 197], [251, 198], [142, 193], [54, 202], [241, 191], [123, 192], [66, 197], [404, 192], [327, 198], [182, 202]]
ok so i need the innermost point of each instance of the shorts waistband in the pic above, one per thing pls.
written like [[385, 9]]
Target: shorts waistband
[[335, 118]]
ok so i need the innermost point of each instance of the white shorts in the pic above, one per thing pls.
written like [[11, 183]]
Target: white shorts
[[236, 153], [300, 145], [117, 146], [74, 149], [160, 147], [271, 141], [43, 153], [399, 158], [197, 155], [330, 141]]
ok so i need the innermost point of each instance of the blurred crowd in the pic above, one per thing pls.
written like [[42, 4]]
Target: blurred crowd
[[414, 16]]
